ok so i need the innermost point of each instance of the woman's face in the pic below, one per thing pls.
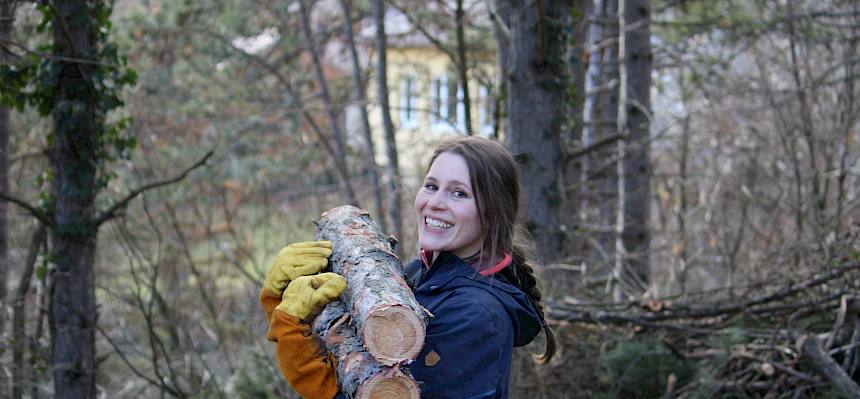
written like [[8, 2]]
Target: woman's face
[[447, 213]]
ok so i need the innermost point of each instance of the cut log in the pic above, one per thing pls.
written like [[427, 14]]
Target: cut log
[[386, 315], [810, 348], [359, 375], [382, 387]]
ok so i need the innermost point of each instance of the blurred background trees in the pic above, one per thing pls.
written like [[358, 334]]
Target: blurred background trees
[[689, 168]]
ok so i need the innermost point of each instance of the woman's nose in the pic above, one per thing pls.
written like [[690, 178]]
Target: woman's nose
[[437, 200]]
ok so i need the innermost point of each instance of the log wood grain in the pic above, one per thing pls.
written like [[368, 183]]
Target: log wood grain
[[388, 319], [359, 374]]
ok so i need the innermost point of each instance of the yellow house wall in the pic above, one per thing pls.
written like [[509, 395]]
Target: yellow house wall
[[415, 144]]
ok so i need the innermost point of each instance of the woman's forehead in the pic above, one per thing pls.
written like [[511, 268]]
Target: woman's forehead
[[450, 167]]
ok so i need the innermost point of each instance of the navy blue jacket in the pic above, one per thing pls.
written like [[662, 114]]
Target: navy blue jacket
[[477, 322]]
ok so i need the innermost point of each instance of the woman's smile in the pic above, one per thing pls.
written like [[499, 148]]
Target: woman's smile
[[446, 208]]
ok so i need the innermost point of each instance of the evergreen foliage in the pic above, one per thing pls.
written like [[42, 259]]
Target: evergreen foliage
[[33, 78], [640, 369]]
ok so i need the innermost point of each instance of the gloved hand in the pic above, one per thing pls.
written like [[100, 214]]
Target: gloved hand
[[307, 295], [296, 260]]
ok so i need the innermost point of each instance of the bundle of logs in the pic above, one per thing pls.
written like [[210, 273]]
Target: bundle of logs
[[377, 327], [797, 336]]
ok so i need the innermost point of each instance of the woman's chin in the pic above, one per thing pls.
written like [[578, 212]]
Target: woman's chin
[[431, 246]]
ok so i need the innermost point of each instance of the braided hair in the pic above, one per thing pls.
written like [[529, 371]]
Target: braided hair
[[495, 180]]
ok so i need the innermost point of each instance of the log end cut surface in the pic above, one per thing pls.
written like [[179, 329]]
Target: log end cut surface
[[394, 334], [382, 387]]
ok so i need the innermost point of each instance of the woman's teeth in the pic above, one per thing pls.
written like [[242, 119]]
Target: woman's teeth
[[438, 224]]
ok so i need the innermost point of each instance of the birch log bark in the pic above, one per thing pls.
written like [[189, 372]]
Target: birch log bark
[[389, 320], [359, 374]]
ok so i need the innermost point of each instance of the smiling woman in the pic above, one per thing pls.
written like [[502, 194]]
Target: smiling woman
[[447, 213], [472, 275]]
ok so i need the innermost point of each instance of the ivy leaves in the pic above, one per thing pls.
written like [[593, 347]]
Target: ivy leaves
[[98, 76]]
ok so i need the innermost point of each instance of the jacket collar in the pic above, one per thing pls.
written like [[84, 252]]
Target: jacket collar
[[449, 272], [427, 260]]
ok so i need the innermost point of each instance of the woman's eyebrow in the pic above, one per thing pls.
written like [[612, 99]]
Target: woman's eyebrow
[[459, 183]]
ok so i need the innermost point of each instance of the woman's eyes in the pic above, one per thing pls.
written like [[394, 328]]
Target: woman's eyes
[[456, 193]]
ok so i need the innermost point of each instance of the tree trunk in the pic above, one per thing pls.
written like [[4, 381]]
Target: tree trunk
[[337, 135], [636, 61], [536, 111], [590, 116], [359, 374], [389, 319], [7, 17], [501, 15], [394, 213], [572, 165], [604, 167], [19, 333], [462, 66], [618, 270], [74, 158], [360, 99]]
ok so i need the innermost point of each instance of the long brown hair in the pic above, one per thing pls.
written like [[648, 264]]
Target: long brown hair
[[495, 180]]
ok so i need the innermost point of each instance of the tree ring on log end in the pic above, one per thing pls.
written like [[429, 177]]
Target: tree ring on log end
[[393, 334], [383, 387]]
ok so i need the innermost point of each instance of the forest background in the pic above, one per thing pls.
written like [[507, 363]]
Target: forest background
[[155, 155]]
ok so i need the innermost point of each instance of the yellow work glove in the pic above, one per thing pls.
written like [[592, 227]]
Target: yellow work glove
[[307, 295], [296, 260]]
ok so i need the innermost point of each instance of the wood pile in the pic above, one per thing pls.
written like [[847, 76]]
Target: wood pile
[[798, 337], [377, 327]]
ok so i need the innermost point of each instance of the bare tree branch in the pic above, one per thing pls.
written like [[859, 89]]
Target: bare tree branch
[[30, 208], [111, 212], [703, 311], [160, 385]]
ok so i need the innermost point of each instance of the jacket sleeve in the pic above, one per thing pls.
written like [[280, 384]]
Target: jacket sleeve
[[268, 301], [463, 355], [301, 356]]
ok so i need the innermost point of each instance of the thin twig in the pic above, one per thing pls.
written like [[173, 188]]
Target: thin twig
[[30, 208], [134, 193]]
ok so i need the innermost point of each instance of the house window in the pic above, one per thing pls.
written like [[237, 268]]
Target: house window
[[439, 100], [408, 102], [485, 110], [461, 110]]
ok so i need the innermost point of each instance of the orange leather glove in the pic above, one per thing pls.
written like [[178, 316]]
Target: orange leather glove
[[301, 353], [302, 358], [294, 261]]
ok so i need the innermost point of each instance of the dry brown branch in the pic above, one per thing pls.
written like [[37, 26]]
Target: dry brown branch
[[811, 349], [677, 312]]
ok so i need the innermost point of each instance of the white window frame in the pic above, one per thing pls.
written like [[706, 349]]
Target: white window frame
[[408, 102], [485, 110], [461, 109], [439, 104]]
